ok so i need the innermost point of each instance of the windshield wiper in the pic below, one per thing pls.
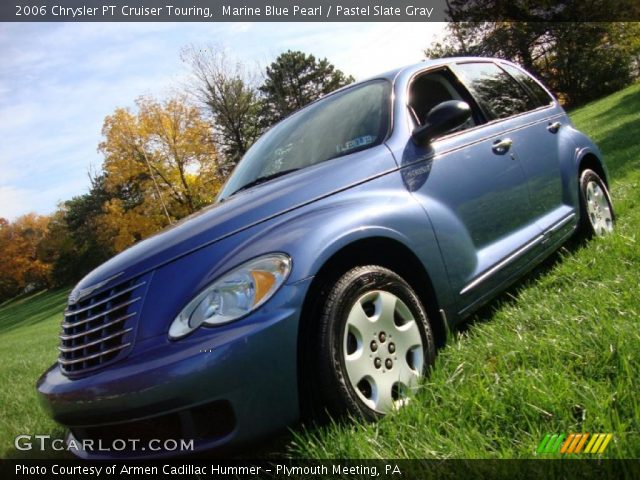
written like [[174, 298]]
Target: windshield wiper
[[263, 179]]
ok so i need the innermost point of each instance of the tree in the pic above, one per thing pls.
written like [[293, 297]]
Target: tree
[[579, 61], [294, 80], [23, 265], [227, 90], [160, 165], [592, 60], [74, 236]]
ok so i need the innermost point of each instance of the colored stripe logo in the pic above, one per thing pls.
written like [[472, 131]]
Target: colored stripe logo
[[574, 443]]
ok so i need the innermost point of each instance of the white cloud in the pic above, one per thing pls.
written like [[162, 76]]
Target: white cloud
[[12, 201], [240, 27]]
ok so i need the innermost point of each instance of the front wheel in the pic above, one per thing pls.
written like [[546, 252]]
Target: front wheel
[[596, 209], [375, 342]]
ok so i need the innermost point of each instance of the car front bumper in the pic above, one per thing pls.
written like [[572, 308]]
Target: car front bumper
[[217, 386]]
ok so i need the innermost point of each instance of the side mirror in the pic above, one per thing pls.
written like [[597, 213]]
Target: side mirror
[[441, 119]]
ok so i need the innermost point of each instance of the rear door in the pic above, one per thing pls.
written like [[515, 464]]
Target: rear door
[[540, 150]]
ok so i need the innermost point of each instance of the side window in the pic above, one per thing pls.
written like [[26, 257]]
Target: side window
[[496, 92], [540, 97], [433, 88]]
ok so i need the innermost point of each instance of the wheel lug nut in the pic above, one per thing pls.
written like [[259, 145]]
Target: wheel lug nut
[[382, 337], [374, 346], [392, 347], [377, 362], [388, 363]]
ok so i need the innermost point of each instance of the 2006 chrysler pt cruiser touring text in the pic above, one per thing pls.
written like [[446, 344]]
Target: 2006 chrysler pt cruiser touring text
[[345, 243]]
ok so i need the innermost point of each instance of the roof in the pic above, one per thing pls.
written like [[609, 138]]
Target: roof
[[409, 69]]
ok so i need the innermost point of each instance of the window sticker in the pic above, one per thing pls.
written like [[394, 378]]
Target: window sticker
[[355, 143]]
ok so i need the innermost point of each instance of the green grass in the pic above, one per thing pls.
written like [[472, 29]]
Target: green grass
[[557, 353], [29, 328]]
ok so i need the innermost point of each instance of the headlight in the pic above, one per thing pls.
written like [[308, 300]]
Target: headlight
[[233, 295]]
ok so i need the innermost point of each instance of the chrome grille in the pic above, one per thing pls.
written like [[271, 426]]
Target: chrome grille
[[99, 330]]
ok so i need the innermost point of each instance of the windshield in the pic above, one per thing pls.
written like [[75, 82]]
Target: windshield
[[352, 120]]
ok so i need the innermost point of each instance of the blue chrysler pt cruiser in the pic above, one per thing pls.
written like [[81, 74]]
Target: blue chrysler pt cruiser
[[347, 241]]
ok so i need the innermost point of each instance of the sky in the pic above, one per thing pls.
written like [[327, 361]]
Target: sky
[[58, 81]]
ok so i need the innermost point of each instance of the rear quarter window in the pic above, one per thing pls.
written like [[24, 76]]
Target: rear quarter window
[[539, 94]]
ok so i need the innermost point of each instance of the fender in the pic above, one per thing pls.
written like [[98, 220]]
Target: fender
[[584, 151], [387, 210], [595, 152]]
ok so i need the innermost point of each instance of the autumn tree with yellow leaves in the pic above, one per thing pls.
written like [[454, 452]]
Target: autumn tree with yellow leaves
[[24, 263], [160, 165]]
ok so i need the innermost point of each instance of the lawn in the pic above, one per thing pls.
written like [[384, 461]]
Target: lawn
[[558, 353], [29, 330]]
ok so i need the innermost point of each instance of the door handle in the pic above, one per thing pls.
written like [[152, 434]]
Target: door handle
[[502, 146], [554, 127]]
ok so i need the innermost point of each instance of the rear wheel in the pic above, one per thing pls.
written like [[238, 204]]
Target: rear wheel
[[596, 209], [375, 342]]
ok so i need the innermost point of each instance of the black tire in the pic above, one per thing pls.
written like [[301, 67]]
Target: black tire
[[336, 392], [592, 224]]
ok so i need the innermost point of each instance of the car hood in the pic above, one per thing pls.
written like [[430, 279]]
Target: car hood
[[237, 213]]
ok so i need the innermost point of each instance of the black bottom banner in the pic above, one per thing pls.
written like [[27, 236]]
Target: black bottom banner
[[312, 469]]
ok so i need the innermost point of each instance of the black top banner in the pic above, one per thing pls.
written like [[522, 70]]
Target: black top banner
[[317, 10], [222, 11]]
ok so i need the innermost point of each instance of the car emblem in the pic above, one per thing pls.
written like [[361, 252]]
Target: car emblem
[[77, 295]]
